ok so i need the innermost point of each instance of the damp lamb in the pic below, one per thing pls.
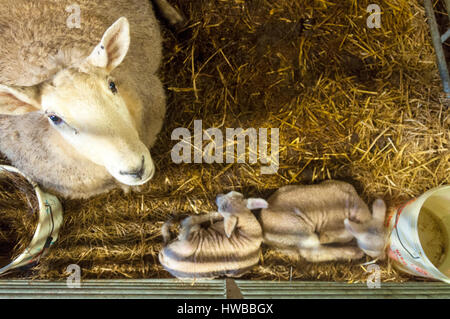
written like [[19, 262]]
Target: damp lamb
[[305, 220], [230, 246], [80, 107]]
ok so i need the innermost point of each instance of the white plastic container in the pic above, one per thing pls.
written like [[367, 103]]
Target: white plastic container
[[422, 225], [50, 220]]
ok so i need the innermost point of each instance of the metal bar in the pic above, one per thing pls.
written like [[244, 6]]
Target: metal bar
[[436, 38], [221, 289], [445, 36], [331, 290], [147, 288]]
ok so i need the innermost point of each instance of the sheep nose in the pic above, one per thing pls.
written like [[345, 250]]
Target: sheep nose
[[138, 173]]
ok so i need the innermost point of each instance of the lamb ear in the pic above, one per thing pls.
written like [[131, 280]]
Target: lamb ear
[[113, 47], [379, 210], [229, 223], [256, 203], [19, 100]]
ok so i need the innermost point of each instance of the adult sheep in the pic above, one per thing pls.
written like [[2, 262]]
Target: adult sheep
[[80, 107]]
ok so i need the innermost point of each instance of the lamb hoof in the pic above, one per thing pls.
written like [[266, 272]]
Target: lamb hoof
[[180, 26], [135, 189], [126, 189], [324, 239], [352, 253], [138, 189]]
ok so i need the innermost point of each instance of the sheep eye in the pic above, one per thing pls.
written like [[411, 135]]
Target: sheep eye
[[55, 119], [112, 87]]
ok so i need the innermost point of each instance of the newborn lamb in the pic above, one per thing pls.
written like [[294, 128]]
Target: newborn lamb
[[230, 246]]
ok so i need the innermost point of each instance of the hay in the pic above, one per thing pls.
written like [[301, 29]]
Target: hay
[[352, 103]]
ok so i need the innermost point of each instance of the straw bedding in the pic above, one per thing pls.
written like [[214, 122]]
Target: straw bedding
[[352, 103]]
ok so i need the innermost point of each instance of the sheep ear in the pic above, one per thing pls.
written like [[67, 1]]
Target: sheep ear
[[113, 47], [357, 230], [379, 210], [16, 100], [256, 203], [229, 224]]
